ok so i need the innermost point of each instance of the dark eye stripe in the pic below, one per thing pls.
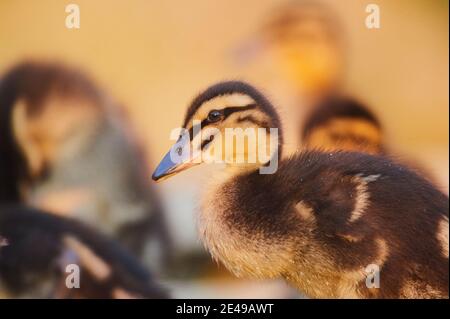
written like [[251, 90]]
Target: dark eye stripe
[[233, 109], [226, 113], [206, 142], [251, 118]]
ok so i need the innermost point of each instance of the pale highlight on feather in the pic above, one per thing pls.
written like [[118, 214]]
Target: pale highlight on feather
[[362, 195], [88, 259], [306, 212], [442, 236]]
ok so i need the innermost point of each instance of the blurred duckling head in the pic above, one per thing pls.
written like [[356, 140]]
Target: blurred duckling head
[[343, 124], [231, 123], [305, 41], [47, 112]]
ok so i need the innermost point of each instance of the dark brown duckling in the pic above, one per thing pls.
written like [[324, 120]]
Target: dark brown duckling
[[66, 148], [38, 247], [324, 221]]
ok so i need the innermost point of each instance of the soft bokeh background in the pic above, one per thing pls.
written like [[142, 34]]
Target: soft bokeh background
[[154, 56]]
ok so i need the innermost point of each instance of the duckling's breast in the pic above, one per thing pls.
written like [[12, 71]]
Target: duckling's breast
[[235, 232]]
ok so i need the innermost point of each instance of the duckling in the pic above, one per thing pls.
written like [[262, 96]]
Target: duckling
[[305, 41], [327, 222], [341, 123], [309, 41], [67, 149], [40, 249]]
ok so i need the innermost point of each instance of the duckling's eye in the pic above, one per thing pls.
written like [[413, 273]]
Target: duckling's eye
[[214, 116]]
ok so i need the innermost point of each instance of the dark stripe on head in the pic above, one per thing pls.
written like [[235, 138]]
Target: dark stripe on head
[[230, 87], [338, 107], [206, 142], [233, 109], [251, 118], [226, 113]]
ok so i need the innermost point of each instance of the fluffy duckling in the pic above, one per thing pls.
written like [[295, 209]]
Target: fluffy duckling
[[340, 123], [309, 40], [39, 250], [66, 148], [305, 41], [329, 223]]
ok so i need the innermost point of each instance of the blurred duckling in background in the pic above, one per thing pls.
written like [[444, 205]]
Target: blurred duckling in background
[[341, 123], [66, 148], [39, 250], [324, 221], [305, 40], [303, 43]]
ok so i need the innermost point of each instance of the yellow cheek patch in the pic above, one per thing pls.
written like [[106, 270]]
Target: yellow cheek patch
[[346, 134]]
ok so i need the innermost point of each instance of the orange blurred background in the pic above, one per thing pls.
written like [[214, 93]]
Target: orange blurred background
[[155, 56]]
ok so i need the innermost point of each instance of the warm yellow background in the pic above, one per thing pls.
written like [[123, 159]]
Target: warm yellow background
[[154, 56]]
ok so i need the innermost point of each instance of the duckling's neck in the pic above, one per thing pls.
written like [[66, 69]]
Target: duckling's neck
[[232, 171], [222, 177]]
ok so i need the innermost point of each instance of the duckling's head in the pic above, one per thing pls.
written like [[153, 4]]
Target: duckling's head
[[230, 122], [305, 40], [47, 111], [344, 124]]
